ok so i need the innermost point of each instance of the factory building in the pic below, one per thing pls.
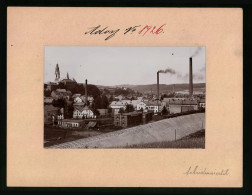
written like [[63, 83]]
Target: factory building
[[178, 106], [132, 118]]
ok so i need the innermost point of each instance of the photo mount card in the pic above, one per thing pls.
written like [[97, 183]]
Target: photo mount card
[[133, 154]]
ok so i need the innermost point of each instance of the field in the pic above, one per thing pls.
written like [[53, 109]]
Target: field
[[194, 140]]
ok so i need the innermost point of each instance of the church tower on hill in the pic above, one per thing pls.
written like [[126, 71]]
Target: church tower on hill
[[57, 73]]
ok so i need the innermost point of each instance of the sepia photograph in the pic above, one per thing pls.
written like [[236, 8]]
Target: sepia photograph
[[124, 97]]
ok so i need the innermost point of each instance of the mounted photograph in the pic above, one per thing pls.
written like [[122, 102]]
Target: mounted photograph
[[124, 97]]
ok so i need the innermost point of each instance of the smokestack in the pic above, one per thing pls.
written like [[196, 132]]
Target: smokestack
[[158, 85], [86, 92], [190, 78]]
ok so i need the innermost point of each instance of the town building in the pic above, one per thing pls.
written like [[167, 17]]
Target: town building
[[50, 86], [69, 83], [89, 98], [128, 119], [50, 114], [48, 100], [71, 123], [147, 116], [178, 106], [154, 106], [61, 94], [141, 106], [132, 118], [83, 112], [202, 103], [117, 105]]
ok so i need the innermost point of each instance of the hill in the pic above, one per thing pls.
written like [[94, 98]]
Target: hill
[[162, 87]]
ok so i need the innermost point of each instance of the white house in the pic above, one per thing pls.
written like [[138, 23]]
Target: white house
[[78, 100], [83, 113], [154, 106], [117, 105], [141, 105]]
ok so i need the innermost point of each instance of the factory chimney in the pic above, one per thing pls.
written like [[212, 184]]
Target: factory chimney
[[190, 78], [158, 85], [86, 96]]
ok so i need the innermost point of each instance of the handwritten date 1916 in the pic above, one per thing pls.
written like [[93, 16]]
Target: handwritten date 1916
[[98, 30]]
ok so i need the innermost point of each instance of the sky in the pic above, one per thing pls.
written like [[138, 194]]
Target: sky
[[111, 66]]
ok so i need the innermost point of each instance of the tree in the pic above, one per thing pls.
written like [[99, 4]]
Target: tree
[[97, 102], [60, 103], [104, 102], [109, 111], [93, 91], [129, 108], [47, 93], [121, 110], [164, 111], [68, 110], [61, 86], [96, 112], [111, 98]]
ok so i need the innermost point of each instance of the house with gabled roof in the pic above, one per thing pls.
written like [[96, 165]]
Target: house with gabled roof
[[83, 112]]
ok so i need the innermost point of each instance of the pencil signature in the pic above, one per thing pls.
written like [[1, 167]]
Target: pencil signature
[[196, 170]]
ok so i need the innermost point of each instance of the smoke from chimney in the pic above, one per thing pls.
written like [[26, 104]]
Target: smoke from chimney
[[196, 52], [168, 70]]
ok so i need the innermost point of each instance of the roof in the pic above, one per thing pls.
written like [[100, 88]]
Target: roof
[[84, 108], [48, 99], [190, 102], [51, 83], [67, 81], [79, 104], [118, 103], [202, 101], [72, 120], [132, 113], [175, 102], [153, 103], [83, 97], [76, 95], [175, 98], [183, 102], [61, 90], [50, 108]]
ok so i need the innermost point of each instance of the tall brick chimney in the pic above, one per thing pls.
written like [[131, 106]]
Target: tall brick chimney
[[86, 95], [157, 85], [190, 78]]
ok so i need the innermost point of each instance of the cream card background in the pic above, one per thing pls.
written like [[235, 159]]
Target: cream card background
[[29, 29]]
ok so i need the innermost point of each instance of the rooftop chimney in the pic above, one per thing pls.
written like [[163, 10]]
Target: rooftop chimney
[[86, 96], [190, 78]]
